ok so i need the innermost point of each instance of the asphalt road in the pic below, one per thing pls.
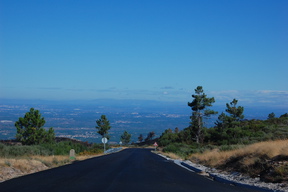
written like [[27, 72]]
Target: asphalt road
[[134, 170]]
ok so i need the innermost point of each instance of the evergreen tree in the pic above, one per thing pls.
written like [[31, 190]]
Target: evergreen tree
[[140, 138], [271, 116], [125, 138], [103, 125], [199, 107], [176, 130], [228, 125], [236, 113], [30, 129], [284, 115], [150, 136]]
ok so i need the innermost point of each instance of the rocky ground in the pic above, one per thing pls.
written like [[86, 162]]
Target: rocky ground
[[239, 178], [234, 177], [10, 169]]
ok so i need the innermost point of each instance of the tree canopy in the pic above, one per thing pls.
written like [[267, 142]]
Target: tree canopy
[[103, 126], [150, 136], [200, 108], [140, 138], [30, 129], [232, 120], [125, 138]]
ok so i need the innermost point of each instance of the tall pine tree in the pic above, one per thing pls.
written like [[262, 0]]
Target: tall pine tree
[[199, 106], [103, 125]]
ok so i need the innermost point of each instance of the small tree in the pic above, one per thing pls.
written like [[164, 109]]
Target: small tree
[[168, 137], [125, 138], [30, 129], [232, 120], [199, 107], [235, 112], [140, 138], [103, 125], [150, 136], [284, 115], [176, 130], [227, 125], [271, 115]]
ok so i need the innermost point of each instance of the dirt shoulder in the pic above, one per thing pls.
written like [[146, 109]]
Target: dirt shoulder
[[12, 168], [226, 174]]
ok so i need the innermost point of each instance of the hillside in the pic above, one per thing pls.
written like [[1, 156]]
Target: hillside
[[17, 159], [267, 160]]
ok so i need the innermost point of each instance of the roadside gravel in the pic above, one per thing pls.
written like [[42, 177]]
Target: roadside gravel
[[239, 178], [233, 178]]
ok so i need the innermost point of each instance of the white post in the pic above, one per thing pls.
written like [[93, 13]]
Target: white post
[[104, 140]]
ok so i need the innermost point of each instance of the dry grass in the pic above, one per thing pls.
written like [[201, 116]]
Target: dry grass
[[170, 155], [34, 162], [11, 168], [267, 160], [268, 149]]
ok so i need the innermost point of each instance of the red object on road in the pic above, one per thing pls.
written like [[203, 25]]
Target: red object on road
[[155, 144]]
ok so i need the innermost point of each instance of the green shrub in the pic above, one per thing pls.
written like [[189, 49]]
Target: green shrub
[[2, 146], [7, 163], [95, 149], [230, 147], [64, 147], [181, 149], [61, 148], [19, 151], [171, 148]]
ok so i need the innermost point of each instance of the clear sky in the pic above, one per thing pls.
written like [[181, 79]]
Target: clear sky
[[144, 49]]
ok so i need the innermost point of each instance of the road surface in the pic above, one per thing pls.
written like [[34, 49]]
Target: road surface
[[134, 170]]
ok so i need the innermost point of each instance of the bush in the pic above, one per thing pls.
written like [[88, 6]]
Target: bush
[[181, 149], [18, 151], [171, 148], [2, 146], [64, 147], [168, 137], [95, 149], [61, 148], [230, 147]]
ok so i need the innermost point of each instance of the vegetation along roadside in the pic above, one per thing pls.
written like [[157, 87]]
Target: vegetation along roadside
[[233, 143]]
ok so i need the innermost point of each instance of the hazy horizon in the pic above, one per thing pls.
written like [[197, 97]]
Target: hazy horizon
[[76, 119], [146, 105]]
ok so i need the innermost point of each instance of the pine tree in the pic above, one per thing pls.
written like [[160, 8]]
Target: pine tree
[[199, 107], [103, 125], [125, 138], [271, 115], [30, 129], [150, 136], [140, 138], [235, 113]]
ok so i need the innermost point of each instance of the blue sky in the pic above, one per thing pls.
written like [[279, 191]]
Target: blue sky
[[152, 49]]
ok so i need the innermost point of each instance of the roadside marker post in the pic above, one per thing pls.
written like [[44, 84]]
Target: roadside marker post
[[104, 140], [72, 154], [155, 145]]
